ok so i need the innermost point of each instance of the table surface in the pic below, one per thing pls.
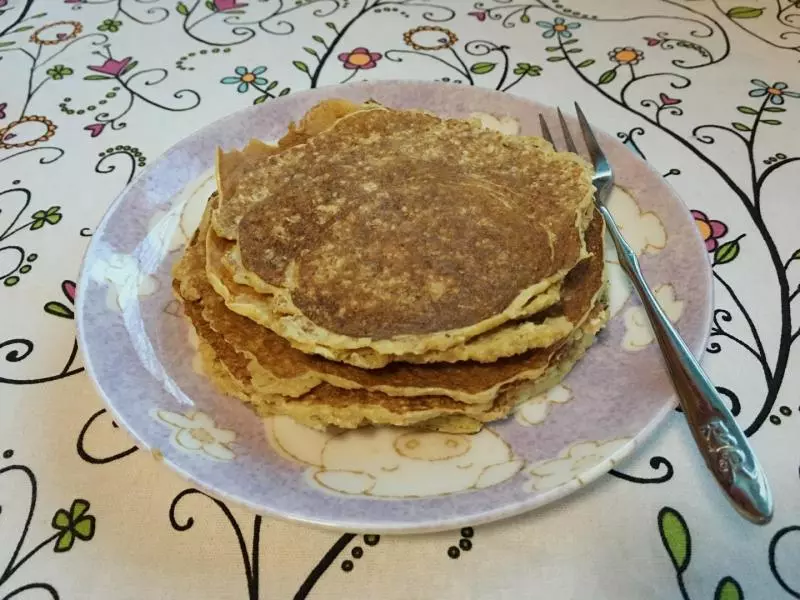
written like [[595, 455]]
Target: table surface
[[91, 91]]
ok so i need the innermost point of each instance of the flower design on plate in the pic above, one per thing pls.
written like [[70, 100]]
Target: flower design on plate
[[75, 523], [392, 462], [638, 333], [627, 55], [126, 280], [196, 432], [534, 411], [570, 464], [27, 131], [504, 124], [112, 67], [245, 78], [56, 33], [442, 43], [360, 58], [709, 229], [644, 232], [776, 91], [557, 27]]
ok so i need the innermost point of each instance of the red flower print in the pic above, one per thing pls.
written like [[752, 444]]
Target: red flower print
[[95, 129], [710, 229], [360, 58], [478, 14], [3, 106], [112, 67], [221, 5], [68, 287], [652, 41], [667, 101]]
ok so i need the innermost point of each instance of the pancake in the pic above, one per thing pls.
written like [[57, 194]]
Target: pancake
[[353, 254], [329, 406], [278, 368], [231, 166], [507, 340]]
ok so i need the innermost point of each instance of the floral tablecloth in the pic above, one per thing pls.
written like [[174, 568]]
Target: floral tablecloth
[[91, 91]]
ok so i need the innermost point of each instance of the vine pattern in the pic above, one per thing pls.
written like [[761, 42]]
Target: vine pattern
[[657, 112], [627, 68], [71, 525]]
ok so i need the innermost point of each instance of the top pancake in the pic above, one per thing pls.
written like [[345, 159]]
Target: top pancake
[[405, 233]]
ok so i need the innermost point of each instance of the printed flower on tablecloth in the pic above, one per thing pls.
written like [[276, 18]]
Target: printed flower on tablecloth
[[56, 33], [196, 432], [223, 5], [27, 131], [110, 25], [441, 43], [59, 72], [3, 106], [59, 309], [478, 14], [52, 215], [75, 523], [528, 69], [557, 27], [112, 67], [776, 91], [360, 58], [570, 463], [710, 229], [245, 78], [627, 55]]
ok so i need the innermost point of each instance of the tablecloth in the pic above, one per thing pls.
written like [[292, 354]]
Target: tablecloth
[[91, 91]]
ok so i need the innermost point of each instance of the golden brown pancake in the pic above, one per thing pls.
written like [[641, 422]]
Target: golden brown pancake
[[354, 253], [511, 338], [231, 166], [276, 367], [328, 405]]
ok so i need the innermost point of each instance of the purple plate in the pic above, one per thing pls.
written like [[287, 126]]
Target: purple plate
[[139, 351]]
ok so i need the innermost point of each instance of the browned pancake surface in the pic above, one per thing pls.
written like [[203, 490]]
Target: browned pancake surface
[[396, 223]]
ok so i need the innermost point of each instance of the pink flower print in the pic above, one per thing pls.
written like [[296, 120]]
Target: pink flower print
[[221, 5], [95, 129], [360, 58], [709, 229], [68, 287], [478, 14], [668, 101], [112, 67]]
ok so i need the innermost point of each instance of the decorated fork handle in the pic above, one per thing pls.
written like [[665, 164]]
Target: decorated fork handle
[[719, 438]]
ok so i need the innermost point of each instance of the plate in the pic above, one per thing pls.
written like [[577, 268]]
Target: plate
[[139, 351]]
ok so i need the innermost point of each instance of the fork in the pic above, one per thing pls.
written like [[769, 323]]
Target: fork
[[721, 442]]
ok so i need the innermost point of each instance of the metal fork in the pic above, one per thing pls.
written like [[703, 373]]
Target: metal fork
[[720, 440]]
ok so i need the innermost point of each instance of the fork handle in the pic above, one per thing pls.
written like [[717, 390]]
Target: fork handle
[[719, 438]]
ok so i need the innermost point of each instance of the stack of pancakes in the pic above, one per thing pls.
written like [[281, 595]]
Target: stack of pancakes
[[383, 266]]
